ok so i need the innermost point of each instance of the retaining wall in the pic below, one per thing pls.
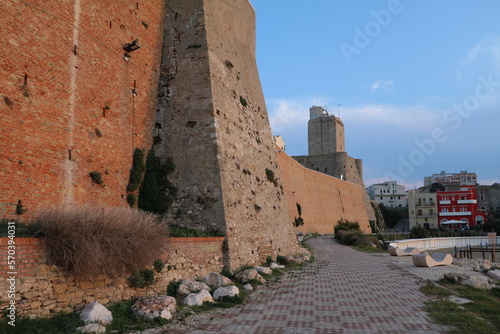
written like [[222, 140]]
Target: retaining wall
[[432, 243], [42, 289]]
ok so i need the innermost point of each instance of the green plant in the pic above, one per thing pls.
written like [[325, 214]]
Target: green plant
[[131, 200], [243, 101], [90, 241], [419, 232], [156, 191], [20, 209], [145, 24], [352, 238], [298, 221], [180, 231], [62, 323], [137, 170], [141, 278], [229, 64], [280, 259], [269, 260], [299, 209], [158, 265], [346, 225], [96, 177], [270, 175], [172, 287], [23, 230]]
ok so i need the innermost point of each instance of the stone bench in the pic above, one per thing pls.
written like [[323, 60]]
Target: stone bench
[[395, 251], [436, 259]]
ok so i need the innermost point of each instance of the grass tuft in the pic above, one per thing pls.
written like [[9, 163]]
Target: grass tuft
[[92, 241]]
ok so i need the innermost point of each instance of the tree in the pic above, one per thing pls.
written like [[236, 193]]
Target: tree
[[436, 186]]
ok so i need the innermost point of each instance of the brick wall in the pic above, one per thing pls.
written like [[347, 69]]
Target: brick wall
[[70, 103], [324, 199], [43, 289]]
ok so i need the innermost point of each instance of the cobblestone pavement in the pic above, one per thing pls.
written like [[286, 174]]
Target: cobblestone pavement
[[343, 291]]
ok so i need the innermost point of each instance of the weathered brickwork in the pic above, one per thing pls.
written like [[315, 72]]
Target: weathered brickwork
[[323, 199], [43, 289], [70, 104]]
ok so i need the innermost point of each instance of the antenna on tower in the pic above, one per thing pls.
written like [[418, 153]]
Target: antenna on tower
[[338, 109]]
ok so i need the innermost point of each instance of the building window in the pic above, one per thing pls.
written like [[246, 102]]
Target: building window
[[419, 212], [381, 198], [431, 211], [481, 197], [326, 169], [444, 210]]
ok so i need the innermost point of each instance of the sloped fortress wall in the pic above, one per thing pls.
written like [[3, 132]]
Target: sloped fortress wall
[[70, 103], [323, 199], [214, 125]]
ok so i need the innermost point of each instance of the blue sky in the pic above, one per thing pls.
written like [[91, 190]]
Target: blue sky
[[418, 82]]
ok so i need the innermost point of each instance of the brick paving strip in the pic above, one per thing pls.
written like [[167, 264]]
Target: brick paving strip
[[343, 291]]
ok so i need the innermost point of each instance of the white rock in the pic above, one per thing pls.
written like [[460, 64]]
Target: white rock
[[474, 280], [248, 275], [224, 291], [152, 307], [197, 299], [274, 265], [92, 328], [215, 279], [96, 313], [495, 274], [248, 287], [263, 270], [190, 286]]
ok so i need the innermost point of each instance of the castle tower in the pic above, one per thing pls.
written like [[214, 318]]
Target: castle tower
[[325, 132], [213, 124]]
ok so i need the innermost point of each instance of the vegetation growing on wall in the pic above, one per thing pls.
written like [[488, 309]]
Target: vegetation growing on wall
[[96, 177], [137, 170], [270, 175], [20, 209], [298, 221], [156, 191]]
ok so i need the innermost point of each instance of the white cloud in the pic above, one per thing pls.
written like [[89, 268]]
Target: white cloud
[[382, 86], [288, 114], [412, 118], [487, 46]]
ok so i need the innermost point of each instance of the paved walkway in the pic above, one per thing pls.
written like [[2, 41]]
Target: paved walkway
[[343, 291]]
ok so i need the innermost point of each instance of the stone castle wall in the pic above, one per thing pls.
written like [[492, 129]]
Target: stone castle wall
[[216, 129], [341, 166], [43, 289], [323, 199], [70, 104]]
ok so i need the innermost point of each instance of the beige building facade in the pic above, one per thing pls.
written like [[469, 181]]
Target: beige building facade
[[422, 209]]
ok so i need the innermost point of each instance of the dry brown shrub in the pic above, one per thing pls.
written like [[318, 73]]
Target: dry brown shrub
[[93, 241]]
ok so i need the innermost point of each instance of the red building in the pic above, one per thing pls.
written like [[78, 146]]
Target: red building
[[458, 209]]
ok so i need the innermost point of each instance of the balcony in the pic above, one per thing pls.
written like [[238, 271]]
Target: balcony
[[426, 216], [467, 201], [457, 213], [431, 204], [444, 202]]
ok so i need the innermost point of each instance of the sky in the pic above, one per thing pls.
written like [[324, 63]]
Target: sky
[[418, 82]]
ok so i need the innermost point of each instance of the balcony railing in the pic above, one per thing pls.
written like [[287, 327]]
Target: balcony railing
[[467, 201], [456, 213]]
